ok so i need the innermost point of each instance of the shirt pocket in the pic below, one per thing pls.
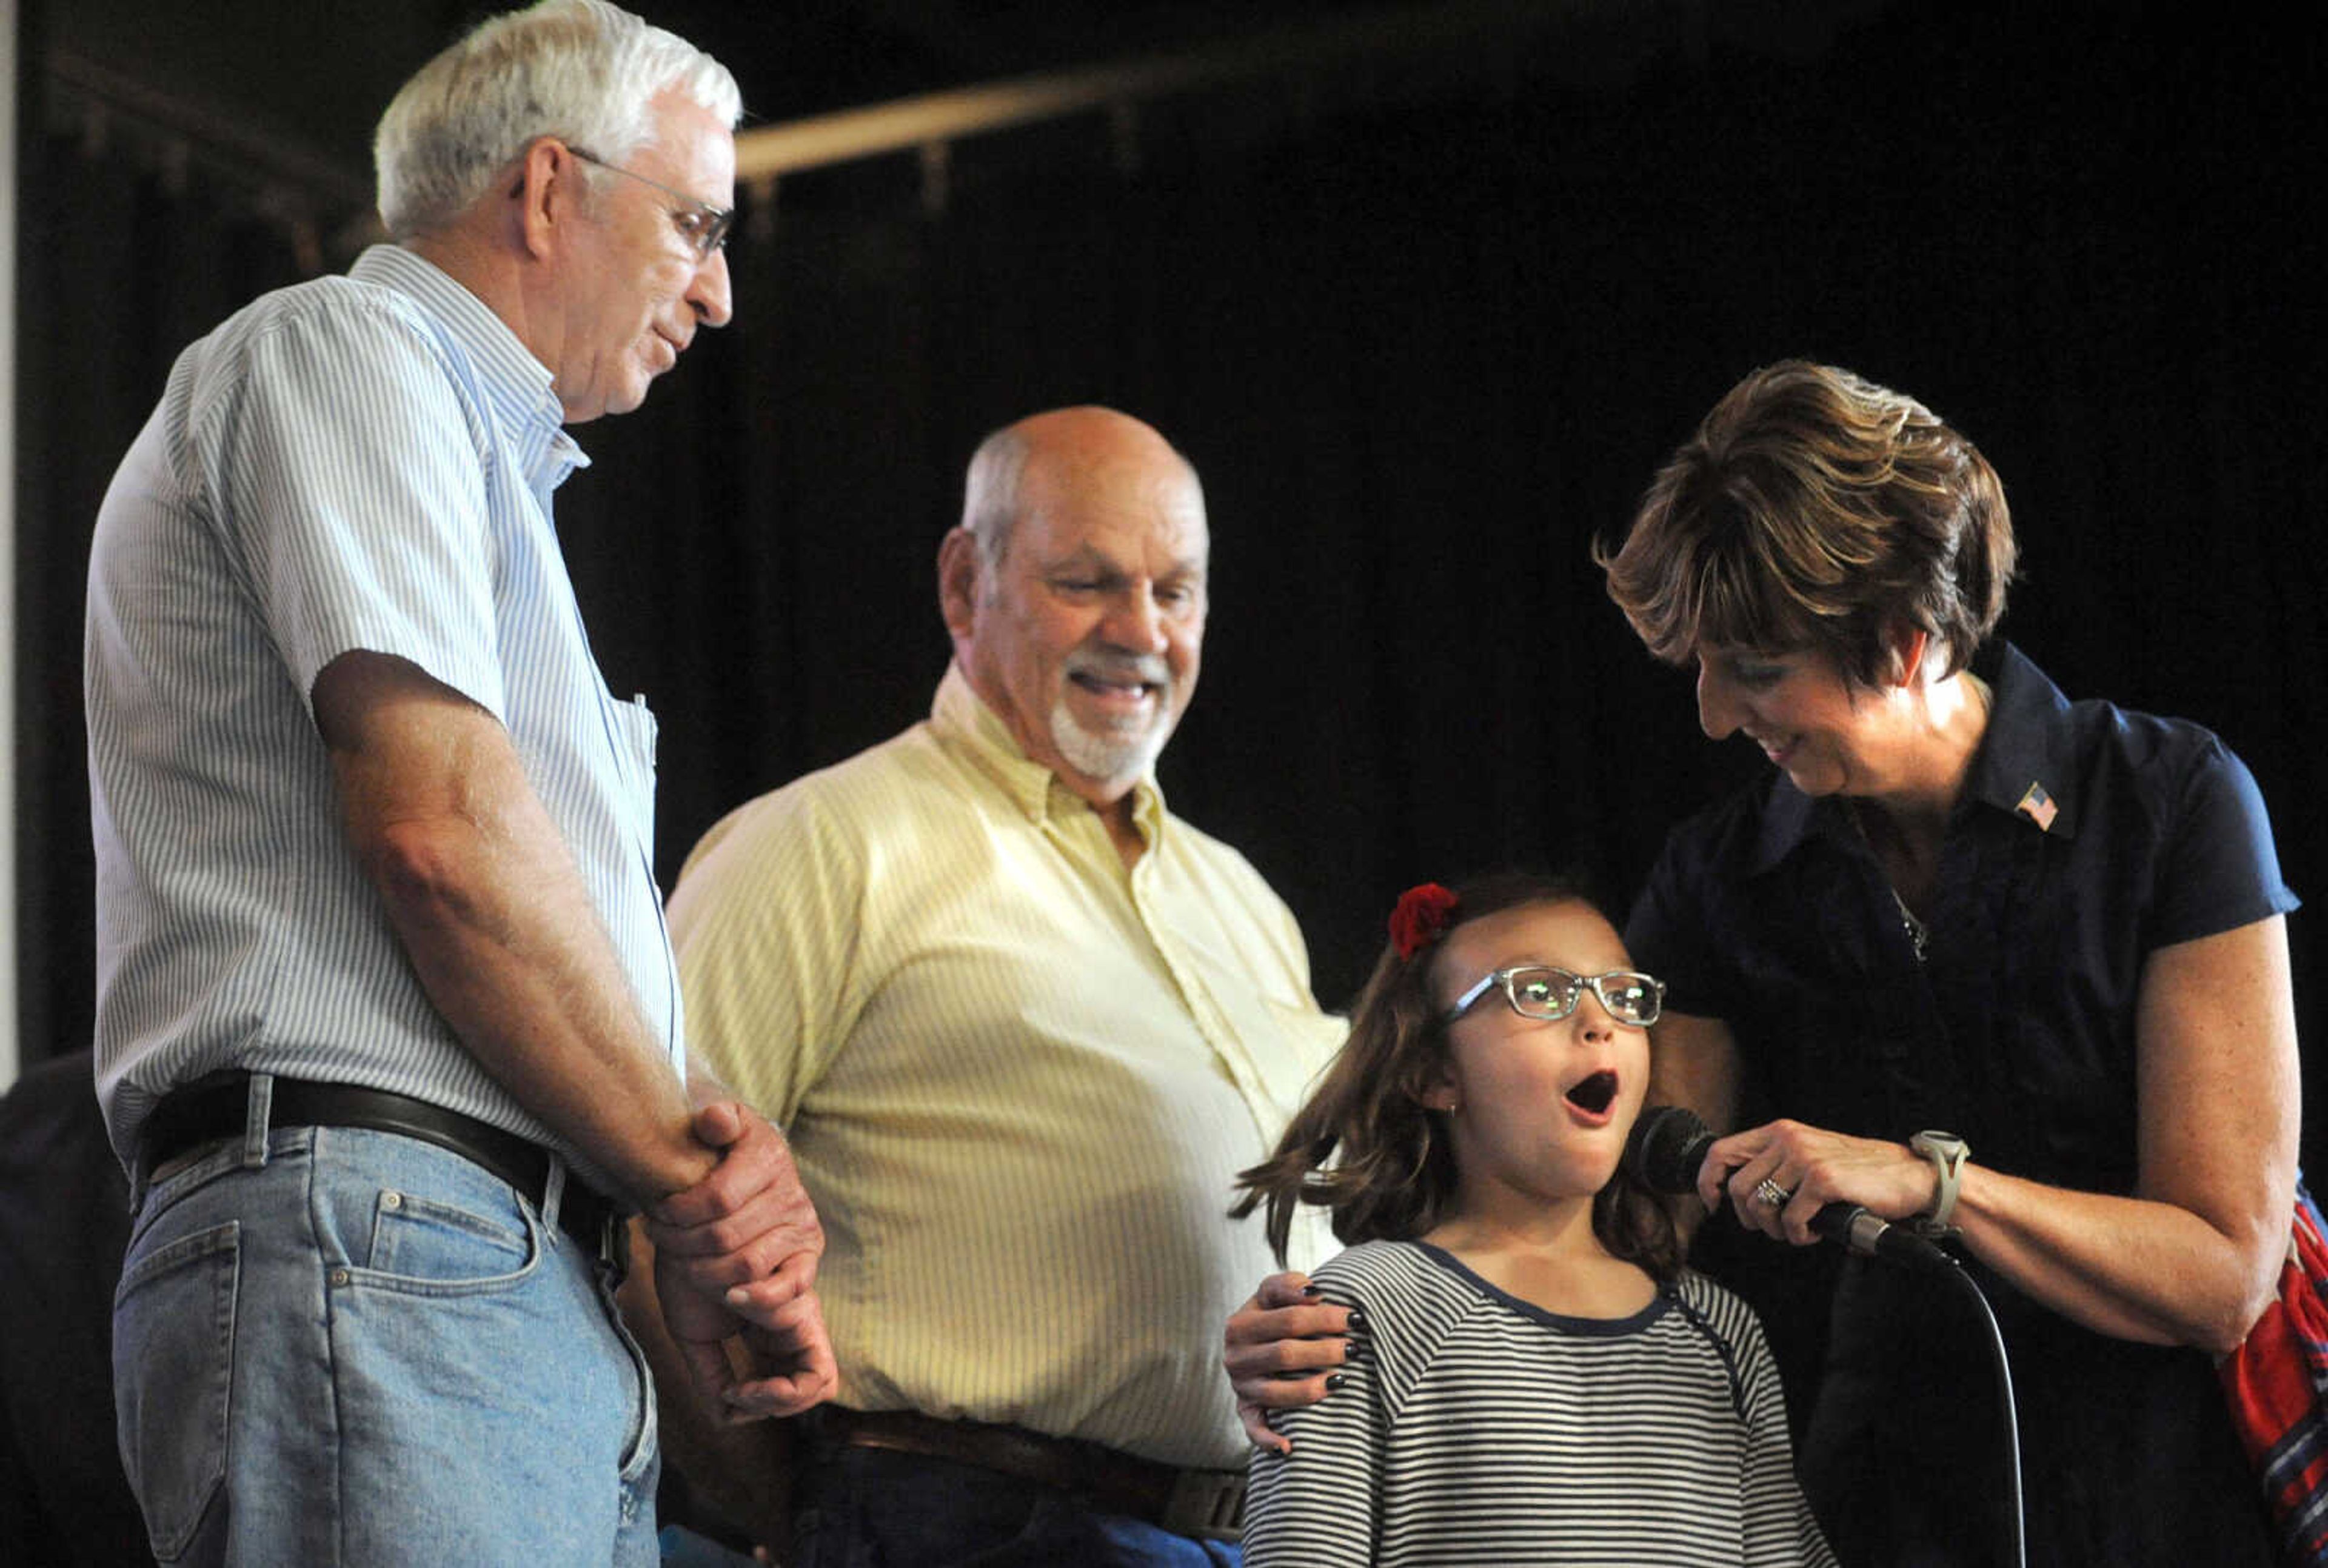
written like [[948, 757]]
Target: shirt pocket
[[634, 729]]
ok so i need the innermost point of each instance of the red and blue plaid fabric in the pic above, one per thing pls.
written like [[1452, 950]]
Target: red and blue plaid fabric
[[2278, 1384]]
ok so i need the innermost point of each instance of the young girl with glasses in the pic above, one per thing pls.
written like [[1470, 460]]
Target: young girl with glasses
[[1535, 1378]]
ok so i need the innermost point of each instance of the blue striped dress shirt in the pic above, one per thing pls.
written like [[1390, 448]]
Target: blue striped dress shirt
[[357, 462]]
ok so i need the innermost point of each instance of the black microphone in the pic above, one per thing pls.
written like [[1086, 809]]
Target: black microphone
[[1669, 1145]]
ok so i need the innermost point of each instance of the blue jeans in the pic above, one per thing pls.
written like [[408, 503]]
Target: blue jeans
[[861, 1507], [337, 1346]]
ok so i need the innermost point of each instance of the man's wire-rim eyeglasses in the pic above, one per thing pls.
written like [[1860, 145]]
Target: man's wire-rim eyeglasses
[[703, 226], [1538, 990]]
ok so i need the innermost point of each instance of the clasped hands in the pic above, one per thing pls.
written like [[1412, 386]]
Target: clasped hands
[[735, 1259]]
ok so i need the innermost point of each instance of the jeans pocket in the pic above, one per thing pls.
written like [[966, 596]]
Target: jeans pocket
[[428, 1246], [173, 1372]]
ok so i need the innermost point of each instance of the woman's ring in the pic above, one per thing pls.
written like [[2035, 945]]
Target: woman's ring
[[1771, 1193]]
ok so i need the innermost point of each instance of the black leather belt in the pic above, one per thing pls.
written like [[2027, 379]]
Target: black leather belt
[[1208, 1505], [216, 1107]]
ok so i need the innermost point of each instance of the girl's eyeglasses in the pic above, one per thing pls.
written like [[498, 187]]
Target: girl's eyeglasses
[[1538, 990]]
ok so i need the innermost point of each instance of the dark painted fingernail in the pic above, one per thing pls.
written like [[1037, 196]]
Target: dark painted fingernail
[[1357, 1320], [1333, 1380], [1313, 1291]]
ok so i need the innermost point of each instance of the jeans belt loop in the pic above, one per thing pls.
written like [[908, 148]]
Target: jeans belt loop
[[553, 1195], [256, 1112]]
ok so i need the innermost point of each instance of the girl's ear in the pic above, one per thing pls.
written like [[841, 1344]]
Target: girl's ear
[[1437, 1092]]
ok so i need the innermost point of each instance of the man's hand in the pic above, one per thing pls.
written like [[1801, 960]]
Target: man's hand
[[1281, 1348], [788, 1358], [736, 1254], [750, 1218], [742, 1467], [792, 1368]]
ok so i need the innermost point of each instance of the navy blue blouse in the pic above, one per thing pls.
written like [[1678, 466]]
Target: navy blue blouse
[[2088, 838]]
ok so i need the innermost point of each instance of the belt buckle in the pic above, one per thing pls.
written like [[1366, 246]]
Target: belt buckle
[[1207, 1505]]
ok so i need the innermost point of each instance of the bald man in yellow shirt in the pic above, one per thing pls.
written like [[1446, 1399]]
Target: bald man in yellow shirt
[[1023, 1027]]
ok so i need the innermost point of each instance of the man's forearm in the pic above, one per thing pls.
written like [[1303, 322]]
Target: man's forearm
[[486, 899], [510, 952]]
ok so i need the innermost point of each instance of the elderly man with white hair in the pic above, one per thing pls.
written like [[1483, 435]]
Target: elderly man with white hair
[[389, 1031]]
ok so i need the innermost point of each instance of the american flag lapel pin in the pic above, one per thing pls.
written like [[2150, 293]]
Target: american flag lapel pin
[[2038, 807]]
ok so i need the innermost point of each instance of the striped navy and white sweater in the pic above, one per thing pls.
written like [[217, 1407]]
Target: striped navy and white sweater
[[1474, 1428]]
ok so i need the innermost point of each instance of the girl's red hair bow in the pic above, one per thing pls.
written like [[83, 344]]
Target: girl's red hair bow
[[1422, 914]]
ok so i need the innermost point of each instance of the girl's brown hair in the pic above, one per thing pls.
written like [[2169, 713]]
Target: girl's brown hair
[[1364, 1146]]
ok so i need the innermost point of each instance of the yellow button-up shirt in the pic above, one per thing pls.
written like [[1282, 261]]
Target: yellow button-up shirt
[[1018, 1077]]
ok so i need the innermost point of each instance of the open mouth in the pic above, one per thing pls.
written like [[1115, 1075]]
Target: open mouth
[[1129, 689], [1594, 1094], [1123, 699]]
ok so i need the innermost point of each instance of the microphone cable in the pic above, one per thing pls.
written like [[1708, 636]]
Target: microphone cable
[[2011, 1414]]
